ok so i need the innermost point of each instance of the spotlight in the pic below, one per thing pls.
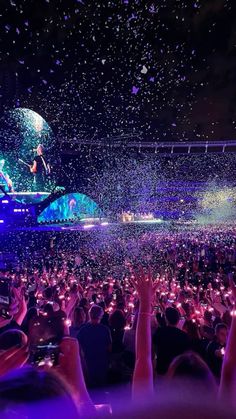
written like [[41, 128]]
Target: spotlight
[[87, 226]]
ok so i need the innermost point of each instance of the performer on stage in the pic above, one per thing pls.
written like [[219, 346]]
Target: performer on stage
[[41, 169], [5, 181]]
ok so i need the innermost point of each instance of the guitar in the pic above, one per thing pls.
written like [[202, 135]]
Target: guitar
[[23, 162], [47, 169]]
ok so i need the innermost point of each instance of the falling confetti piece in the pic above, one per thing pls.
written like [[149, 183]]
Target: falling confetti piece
[[135, 90], [144, 70]]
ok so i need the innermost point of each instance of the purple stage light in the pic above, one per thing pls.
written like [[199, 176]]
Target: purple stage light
[[5, 201], [87, 226]]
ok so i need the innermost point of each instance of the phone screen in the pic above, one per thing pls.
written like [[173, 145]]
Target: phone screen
[[44, 355], [45, 334], [5, 291]]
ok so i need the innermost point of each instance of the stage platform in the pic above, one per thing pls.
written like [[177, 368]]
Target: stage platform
[[90, 225], [34, 209], [26, 197], [19, 209]]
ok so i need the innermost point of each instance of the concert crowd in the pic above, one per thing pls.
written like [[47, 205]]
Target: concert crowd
[[144, 317]]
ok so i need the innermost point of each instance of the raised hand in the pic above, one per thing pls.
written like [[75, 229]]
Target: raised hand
[[70, 370], [143, 372], [227, 387], [20, 302], [232, 286], [71, 304], [144, 285]]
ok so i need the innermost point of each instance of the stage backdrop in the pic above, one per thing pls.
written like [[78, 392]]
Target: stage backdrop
[[71, 206]]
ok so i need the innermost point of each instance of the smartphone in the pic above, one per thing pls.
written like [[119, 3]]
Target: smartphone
[[44, 355], [45, 335], [5, 292]]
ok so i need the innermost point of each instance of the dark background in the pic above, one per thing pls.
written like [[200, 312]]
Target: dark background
[[163, 70]]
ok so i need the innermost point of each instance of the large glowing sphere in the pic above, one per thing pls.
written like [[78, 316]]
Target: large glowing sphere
[[33, 129], [21, 131]]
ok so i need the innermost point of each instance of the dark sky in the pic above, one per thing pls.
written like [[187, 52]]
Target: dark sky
[[163, 70]]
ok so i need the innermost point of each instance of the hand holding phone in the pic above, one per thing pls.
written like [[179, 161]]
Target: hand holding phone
[[5, 298]]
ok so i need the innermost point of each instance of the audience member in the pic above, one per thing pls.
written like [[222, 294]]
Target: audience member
[[169, 341], [216, 349], [95, 341]]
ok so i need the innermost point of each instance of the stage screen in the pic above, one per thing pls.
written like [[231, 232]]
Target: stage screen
[[28, 155]]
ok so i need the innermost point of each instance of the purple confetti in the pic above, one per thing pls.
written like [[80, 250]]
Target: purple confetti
[[135, 90]]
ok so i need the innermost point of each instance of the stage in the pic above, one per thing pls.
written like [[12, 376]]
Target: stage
[[20, 210], [25, 197]]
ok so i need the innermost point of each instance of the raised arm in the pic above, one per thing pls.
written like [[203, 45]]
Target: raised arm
[[142, 385], [228, 376], [20, 306], [71, 370], [33, 168]]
